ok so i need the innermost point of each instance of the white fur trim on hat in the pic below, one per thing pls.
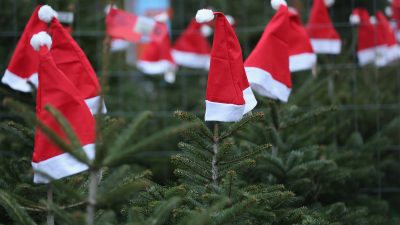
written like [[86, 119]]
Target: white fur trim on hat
[[329, 3], [40, 39], [204, 15], [277, 3], [355, 19], [46, 13]]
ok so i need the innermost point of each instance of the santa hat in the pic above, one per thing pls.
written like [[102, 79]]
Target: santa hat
[[393, 49], [24, 62], [367, 46], [71, 60], [192, 48], [395, 14], [324, 37], [57, 90], [380, 38], [267, 66], [301, 53], [156, 57], [228, 94]]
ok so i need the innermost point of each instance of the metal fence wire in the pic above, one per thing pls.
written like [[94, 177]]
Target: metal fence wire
[[131, 91]]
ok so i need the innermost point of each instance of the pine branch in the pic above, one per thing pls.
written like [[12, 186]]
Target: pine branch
[[306, 116], [185, 116], [192, 165], [117, 158], [131, 131], [232, 129], [194, 151], [247, 155], [195, 178], [14, 210], [162, 212]]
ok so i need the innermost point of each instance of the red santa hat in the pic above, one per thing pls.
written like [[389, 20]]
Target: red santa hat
[[57, 90], [192, 48], [324, 37], [301, 53], [71, 60], [156, 57], [393, 49], [395, 14], [267, 66], [228, 94], [24, 62], [380, 38], [367, 46]]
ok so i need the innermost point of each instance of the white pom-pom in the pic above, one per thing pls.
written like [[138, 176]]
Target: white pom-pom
[[390, 1], [170, 76], [204, 15], [329, 3], [206, 30], [108, 8], [46, 13], [355, 19], [372, 19], [389, 11], [230, 19], [277, 3], [41, 39]]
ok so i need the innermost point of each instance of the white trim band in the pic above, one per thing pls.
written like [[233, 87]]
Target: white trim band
[[326, 46], [61, 166], [94, 104], [393, 53], [157, 67], [250, 100], [366, 56], [191, 60], [223, 112], [119, 45], [381, 59], [263, 83], [303, 61], [18, 83]]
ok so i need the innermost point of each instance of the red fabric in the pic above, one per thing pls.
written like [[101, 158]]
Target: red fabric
[[72, 61], [320, 25], [226, 78], [57, 90], [159, 33], [271, 53], [396, 12], [390, 37], [379, 35], [192, 40], [24, 61], [365, 30], [298, 39], [155, 51], [120, 24]]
